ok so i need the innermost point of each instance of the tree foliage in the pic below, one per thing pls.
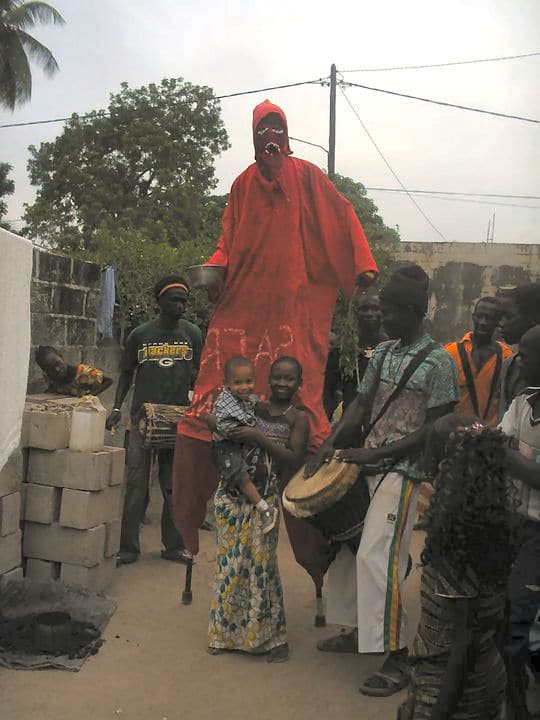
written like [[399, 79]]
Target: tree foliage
[[18, 48], [384, 242], [141, 262], [145, 164], [7, 187]]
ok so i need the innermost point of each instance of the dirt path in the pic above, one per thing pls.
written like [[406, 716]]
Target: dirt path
[[153, 665]]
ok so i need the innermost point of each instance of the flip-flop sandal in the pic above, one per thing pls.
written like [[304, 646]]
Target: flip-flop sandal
[[345, 642], [393, 684]]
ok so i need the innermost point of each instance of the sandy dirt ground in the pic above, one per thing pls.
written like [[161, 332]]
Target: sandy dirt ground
[[154, 665]]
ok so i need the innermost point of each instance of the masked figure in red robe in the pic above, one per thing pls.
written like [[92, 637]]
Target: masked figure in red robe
[[289, 242]]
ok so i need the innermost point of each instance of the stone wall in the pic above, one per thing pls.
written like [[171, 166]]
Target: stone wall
[[65, 295], [463, 272]]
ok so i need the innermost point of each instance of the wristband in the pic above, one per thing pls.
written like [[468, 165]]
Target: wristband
[[116, 410]]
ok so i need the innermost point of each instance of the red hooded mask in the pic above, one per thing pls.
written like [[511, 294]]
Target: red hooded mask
[[270, 137]]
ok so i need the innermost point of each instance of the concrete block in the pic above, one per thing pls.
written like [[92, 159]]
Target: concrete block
[[46, 328], [69, 469], [23, 500], [42, 569], [96, 578], [83, 509], [112, 539], [61, 544], [10, 514], [15, 574], [40, 297], [86, 274], [68, 301], [81, 332], [10, 552], [46, 429], [11, 475], [52, 267], [42, 504], [118, 464]]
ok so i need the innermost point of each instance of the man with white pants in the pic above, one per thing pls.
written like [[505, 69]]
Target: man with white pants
[[408, 384]]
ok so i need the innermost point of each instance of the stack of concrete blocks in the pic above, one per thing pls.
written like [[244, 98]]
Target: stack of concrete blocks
[[11, 476], [72, 504]]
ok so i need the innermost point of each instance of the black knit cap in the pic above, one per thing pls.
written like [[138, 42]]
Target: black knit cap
[[170, 280], [408, 286]]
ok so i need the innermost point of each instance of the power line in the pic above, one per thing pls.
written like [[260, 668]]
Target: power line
[[446, 64], [218, 97], [464, 200], [380, 152], [429, 194], [441, 102], [465, 194]]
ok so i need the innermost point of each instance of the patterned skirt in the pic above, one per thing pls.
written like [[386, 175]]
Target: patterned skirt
[[247, 612]]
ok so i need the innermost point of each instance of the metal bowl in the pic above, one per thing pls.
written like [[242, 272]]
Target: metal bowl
[[205, 276]]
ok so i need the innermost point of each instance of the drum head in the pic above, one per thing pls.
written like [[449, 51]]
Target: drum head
[[332, 480]]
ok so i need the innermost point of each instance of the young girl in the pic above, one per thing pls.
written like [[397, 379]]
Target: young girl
[[458, 670], [247, 613]]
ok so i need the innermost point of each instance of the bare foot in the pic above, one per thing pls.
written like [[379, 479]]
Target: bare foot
[[278, 654]]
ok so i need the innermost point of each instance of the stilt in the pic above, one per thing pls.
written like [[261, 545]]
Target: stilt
[[187, 595], [320, 617]]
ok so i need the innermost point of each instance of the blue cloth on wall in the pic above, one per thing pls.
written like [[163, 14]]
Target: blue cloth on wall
[[106, 306]]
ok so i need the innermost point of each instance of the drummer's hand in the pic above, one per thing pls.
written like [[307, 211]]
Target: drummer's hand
[[211, 421], [245, 435], [323, 455], [357, 456], [113, 419]]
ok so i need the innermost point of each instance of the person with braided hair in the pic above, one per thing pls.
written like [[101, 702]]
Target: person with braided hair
[[458, 668], [521, 425]]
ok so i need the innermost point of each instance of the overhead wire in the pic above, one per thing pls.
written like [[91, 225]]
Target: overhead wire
[[386, 162], [441, 102], [468, 200], [217, 97], [466, 194], [445, 64]]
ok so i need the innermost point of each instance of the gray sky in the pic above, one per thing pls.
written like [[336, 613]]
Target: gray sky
[[246, 44]]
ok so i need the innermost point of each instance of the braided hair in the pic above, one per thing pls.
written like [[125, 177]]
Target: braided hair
[[471, 521]]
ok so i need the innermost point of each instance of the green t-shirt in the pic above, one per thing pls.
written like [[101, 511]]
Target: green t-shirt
[[166, 361]]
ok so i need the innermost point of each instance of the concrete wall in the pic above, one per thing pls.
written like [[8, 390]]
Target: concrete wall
[[463, 272], [65, 296]]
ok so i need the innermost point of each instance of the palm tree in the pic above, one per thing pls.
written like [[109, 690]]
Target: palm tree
[[17, 48]]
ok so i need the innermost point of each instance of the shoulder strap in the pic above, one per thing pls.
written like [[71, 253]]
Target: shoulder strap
[[375, 385], [471, 387], [409, 371], [494, 379]]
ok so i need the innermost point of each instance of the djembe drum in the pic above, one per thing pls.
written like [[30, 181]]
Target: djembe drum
[[157, 425], [335, 500]]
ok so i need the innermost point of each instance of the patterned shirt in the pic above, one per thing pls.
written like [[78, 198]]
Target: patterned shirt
[[433, 384], [87, 380], [231, 412], [516, 424]]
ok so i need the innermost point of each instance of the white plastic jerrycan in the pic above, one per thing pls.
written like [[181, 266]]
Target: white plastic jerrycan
[[88, 425]]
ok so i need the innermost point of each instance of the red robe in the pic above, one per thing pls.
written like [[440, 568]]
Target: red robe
[[288, 245]]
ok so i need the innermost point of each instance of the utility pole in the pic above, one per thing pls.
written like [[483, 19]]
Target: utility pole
[[332, 135]]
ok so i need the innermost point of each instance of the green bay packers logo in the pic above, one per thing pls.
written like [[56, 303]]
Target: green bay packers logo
[[165, 354]]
